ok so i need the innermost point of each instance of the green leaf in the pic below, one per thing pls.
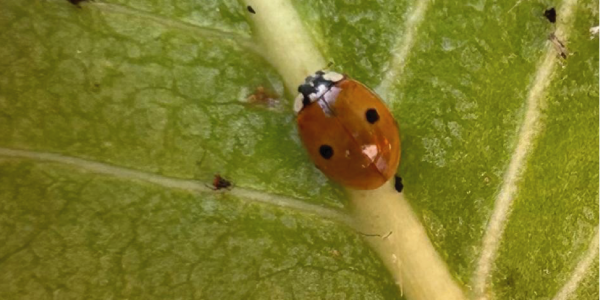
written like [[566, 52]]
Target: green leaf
[[116, 115]]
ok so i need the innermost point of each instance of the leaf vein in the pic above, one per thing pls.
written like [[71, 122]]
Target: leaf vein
[[245, 194], [580, 270], [529, 131], [402, 48], [205, 32]]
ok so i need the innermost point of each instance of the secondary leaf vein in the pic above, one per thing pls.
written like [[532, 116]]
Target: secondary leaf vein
[[402, 47], [528, 133], [205, 32], [176, 183], [580, 270]]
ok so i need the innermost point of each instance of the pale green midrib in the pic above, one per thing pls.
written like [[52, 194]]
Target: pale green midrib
[[200, 31], [583, 267], [529, 131], [290, 40], [408, 253], [244, 194], [286, 44]]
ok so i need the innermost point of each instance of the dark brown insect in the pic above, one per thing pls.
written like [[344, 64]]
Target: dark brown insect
[[550, 14], [398, 184], [220, 183], [262, 96], [251, 10]]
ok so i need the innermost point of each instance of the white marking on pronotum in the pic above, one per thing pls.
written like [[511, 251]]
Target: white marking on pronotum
[[582, 268], [333, 76], [529, 131], [402, 47], [174, 183], [298, 103]]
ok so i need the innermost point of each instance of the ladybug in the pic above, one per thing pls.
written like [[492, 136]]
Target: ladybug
[[348, 131]]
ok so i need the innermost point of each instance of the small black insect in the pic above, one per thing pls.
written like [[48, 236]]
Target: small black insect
[[398, 184], [76, 2], [550, 14], [220, 183], [251, 10]]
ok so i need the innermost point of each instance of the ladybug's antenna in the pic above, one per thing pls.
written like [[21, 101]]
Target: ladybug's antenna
[[329, 64], [375, 235]]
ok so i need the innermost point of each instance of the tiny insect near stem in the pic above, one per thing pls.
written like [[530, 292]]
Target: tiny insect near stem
[[220, 183]]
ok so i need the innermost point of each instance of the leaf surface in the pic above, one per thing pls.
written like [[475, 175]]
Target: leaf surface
[[114, 116]]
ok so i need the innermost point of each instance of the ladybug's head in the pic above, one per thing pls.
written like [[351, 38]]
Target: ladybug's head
[[315, 87]]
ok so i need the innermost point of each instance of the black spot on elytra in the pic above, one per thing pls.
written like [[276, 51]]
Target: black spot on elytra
[[398, 184], [372, 115], [550, 14], [326, 151], [251, 10]]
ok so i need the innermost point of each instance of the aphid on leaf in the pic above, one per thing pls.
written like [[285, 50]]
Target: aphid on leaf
[[398, 184], [550, 14], [220, 183], [262, 96], [251, 10]]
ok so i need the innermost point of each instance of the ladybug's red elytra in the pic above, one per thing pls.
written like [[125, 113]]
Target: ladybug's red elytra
[[348, 131]]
